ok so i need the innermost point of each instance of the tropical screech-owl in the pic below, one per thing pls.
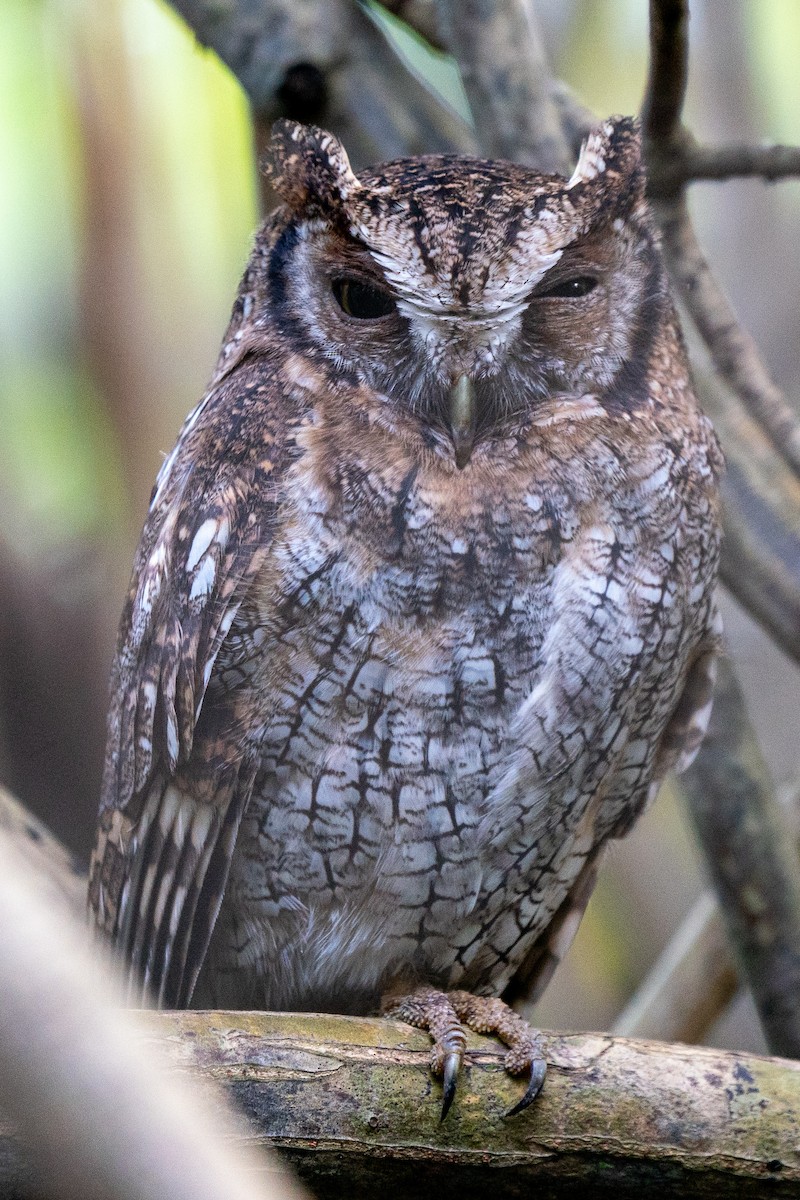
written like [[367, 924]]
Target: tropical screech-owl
[[423, 607]]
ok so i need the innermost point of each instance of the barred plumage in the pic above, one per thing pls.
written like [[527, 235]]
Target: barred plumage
[[423, 608]]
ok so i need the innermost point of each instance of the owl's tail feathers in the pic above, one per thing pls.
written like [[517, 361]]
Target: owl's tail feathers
[[179, 857]]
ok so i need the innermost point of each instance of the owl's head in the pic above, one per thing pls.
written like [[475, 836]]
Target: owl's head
[[466, 293]]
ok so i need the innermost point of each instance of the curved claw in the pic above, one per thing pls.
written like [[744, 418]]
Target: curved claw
[[452, 1066], [538, 1072]]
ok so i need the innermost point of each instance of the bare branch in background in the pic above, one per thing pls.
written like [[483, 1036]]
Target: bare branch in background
[[668, 73], [362, 91], [573, 117], [692, 163], [761, 582], [732, 349], [499, 50], [755, 870], [761, 517], [752, 861], [694, 978], [96, 1106], [689, 986]]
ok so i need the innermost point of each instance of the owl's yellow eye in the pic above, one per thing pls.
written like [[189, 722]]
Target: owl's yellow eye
[[572, 289], [361, 300]]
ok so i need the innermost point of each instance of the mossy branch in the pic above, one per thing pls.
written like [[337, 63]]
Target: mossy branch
[[352, 1104]]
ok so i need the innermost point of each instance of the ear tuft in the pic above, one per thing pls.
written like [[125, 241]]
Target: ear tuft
[[308, 167], [611, 156]]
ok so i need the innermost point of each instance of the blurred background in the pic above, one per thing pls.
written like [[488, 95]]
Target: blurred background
[[128, 201]]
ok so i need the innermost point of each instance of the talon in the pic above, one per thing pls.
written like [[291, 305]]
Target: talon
[[538, 1072], [452, 1066]]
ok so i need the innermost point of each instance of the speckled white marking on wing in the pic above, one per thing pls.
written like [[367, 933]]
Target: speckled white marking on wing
[[203, 581], [208, 531]]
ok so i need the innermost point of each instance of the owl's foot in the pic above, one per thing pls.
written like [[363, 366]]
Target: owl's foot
[[444, 1013]]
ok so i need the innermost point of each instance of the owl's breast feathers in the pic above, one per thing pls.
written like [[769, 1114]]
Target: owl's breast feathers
[[434, 693]]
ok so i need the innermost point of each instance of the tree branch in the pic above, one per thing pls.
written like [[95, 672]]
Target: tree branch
[[499, 50], [668, 73], [761, 516], [761, 582], [351, 1103], [667, 145], [692, 163], [574, 118], [752, 862], [694, 978], [732, 349], [363, 92]]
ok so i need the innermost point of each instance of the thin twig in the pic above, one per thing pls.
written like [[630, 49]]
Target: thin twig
[[752, 861], [692, 982], [499, 50]]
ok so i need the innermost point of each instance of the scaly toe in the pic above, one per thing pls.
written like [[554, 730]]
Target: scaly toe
[[429, 1009]]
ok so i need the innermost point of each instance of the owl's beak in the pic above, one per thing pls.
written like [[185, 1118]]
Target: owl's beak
[[462, 419]]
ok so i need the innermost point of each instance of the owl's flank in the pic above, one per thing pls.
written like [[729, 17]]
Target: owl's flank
[[423, 607]]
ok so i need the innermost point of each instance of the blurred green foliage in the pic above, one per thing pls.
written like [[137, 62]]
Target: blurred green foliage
[[188, 220], [774, 29]]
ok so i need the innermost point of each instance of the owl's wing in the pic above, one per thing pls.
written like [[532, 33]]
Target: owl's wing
[[675, 750], [622, 696], [539, 965], [631, 632], [176, 781]]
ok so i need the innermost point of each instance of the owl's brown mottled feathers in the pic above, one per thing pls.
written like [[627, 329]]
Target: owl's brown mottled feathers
[[423, 608]]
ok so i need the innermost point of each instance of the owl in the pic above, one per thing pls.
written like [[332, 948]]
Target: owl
[[423, 607]]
